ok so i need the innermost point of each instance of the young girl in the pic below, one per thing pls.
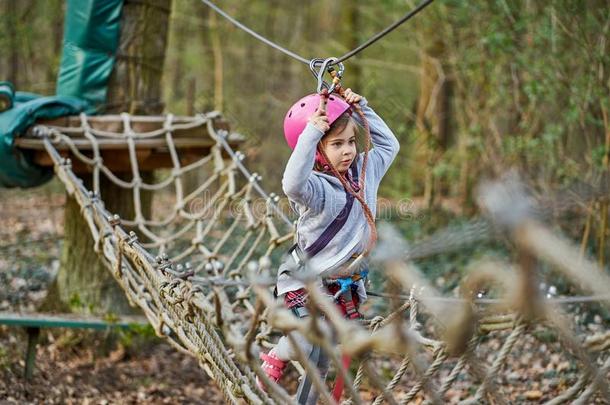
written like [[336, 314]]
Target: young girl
[[336, 203]]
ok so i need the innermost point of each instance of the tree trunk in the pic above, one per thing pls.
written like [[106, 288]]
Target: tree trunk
[[180, 34], [218, 63], [351, 28], [56, 37], [83, 282], [11, 26], [135, 84], [433, 116]]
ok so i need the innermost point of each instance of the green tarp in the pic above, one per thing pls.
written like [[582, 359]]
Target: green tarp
[[16, 167], [91, 38]]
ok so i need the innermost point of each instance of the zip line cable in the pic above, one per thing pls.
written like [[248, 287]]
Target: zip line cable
[[254, 33], [385, 32], [348, 55]]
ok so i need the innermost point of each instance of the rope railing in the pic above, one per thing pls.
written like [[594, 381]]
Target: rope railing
[[203, 280]]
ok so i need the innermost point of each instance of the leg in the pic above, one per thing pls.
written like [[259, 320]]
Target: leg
[[286, 351], [275, 361], [306, 394], [30, 355]]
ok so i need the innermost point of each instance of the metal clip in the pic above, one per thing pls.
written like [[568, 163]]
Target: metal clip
[[40, 131], [132, 238], [319, 66], [114, 220]]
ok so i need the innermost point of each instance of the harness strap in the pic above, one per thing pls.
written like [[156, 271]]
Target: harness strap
[[306, 395], [334, 227], [350, 310], [300, 311], [274, 361], [338, 389]]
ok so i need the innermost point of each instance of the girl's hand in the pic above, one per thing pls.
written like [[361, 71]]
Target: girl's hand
[[319, 119], [351, 97]]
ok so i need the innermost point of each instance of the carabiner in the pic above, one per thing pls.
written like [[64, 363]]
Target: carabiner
[[319, 66]]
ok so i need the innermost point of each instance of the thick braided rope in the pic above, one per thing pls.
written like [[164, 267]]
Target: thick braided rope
[[515, 334], [375, 324], [223, 374], [439, 357], [402, 369]]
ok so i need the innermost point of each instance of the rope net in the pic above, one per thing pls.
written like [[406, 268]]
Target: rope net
[[202, 268]]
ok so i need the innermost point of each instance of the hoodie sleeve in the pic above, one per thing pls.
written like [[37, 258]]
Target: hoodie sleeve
[[385, 144], [298, 181]]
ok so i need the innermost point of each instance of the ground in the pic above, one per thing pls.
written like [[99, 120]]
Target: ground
[[71, 370], [76, 366], [92, 367]]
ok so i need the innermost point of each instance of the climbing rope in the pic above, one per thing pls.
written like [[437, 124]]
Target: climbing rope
[[202, 274]]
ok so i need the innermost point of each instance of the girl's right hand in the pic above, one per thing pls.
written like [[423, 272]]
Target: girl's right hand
[[319, 119]]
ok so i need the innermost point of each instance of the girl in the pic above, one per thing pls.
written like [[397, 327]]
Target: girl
[[333, 188]]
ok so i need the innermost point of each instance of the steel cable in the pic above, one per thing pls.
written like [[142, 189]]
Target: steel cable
[[302, 59]]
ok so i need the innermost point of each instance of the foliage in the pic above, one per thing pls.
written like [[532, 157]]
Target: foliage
[[30, 40], [137, 336], [529, 79], [529, 85]]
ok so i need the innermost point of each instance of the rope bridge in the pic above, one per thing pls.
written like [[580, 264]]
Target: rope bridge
[[201, 269]]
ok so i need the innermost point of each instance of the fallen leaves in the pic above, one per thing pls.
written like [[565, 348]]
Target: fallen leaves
[[155, 374], [533, 395]]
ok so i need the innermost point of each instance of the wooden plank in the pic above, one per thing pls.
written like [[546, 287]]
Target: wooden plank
[[113, 144], [118, 161], [153, 153], [40, 320], [139, 124]]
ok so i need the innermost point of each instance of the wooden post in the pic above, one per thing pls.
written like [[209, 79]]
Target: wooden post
[[30, 354], [191, 91]]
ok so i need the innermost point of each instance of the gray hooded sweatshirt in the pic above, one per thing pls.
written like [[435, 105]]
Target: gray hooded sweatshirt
[[319, 197]]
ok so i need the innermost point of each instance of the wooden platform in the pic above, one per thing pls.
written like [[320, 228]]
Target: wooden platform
[[152, 152]]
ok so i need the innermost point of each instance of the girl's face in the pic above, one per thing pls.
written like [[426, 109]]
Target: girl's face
[[340, 147]]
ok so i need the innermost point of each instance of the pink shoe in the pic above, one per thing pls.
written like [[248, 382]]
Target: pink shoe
[[272, 366]]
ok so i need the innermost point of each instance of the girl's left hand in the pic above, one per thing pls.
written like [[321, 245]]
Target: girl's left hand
[[351, 97]]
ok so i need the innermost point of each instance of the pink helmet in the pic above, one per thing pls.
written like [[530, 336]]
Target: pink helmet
[[296, 118]]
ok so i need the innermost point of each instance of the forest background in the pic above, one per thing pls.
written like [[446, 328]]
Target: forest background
[[471, 89]]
